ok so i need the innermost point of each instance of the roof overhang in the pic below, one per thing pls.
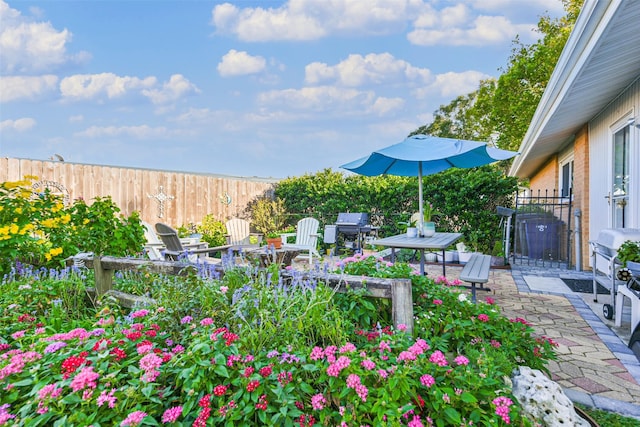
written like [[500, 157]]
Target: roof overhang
[[601, 59]]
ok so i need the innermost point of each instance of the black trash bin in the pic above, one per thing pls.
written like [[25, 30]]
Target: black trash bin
[[543, 238]]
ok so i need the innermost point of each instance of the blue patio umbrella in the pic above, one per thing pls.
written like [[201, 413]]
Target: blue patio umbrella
[[421, 155]]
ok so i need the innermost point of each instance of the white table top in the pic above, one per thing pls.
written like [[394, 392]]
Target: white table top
[[437, 241]]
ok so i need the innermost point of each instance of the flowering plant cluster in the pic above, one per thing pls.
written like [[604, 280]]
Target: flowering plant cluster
[[212, 366], [38, 228]]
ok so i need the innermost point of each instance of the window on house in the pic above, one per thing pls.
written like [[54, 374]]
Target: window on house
[[566, 178]]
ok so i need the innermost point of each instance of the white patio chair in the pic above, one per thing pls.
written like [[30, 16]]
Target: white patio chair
[[306, 237]]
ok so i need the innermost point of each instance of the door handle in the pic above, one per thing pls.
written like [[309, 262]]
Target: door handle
[[608, 197]]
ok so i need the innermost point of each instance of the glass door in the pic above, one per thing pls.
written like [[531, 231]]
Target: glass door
[[620, 192]]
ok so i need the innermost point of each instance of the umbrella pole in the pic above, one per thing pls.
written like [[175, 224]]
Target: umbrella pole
[[420, 203]]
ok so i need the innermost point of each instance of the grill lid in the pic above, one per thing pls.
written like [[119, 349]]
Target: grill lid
[[610, 239], [352, 218]]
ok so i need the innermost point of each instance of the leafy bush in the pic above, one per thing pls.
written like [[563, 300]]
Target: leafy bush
[[268, 215], [39, 229], [213, 231], [465, 198]]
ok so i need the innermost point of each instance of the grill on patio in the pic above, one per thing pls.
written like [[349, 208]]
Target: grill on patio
[[353, 227], [604, 251]]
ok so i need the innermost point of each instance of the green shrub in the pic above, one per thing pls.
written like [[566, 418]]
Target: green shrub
[[213, 231]]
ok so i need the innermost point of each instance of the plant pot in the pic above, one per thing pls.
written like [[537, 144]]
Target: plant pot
[[412, 232], [275, 241], [428, 229], [430, 257], [634, 268], [464, 257]]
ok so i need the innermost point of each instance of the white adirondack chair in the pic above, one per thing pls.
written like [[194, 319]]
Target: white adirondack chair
[[154, 245], [239, 234], [306, 237]]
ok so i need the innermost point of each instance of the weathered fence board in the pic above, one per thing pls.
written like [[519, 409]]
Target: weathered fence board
[[188, 196]]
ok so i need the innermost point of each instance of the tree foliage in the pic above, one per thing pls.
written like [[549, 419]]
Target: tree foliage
[[501, 110]]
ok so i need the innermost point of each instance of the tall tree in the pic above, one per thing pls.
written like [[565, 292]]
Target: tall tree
[[502, 110]]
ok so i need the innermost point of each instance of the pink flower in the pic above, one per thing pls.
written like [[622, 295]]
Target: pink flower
[[49, 391], [108, 398], [206, 321], [86, 378], [317, 353], [368, 364], [461, 360], [18, 335], [402, 327], [483, 317], [438, 358], [353, 380], [318, 401], [437, 302], [427, 380], [139, 313], [150, 362], [133, 419], [171, 414], [348, 348], [383, 373]]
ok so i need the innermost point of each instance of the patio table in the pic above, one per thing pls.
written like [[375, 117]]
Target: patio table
[[439, 241]]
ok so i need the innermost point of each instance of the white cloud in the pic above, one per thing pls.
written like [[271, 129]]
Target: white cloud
[[19, 125], [76, 119], [236, 63], [138, 132], [89, 86], [330, 100], [13, 88], [451, 84], [460, 26], [358, 70], [312, 20], [177, 87], [28, 47]]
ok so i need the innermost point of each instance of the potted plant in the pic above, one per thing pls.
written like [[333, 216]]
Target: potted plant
[[274, 238], [629, 256], [428, 226], [409, 227]]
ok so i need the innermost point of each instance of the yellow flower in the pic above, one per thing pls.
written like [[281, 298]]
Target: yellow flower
[[18, 210], [55, 251], [57, 207], [31, 177], [47, 256], [49, 223], [4, 230], [14, 229], [85, 221], [65, 218]]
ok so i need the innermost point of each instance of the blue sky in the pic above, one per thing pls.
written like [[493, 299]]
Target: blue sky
[[242, 88]]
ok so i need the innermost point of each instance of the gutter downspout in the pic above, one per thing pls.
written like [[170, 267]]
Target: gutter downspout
[[577, 213]]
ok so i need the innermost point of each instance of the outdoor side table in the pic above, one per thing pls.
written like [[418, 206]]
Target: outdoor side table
[[439, 241], [267, 255]]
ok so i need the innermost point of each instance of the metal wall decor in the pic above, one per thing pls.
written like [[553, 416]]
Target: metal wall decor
[[225, 199], [161, 197], [54, 188]]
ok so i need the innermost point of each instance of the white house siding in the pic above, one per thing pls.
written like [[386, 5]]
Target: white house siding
[[601, 130]]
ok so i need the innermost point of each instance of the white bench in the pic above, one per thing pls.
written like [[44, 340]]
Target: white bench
[[476, 271]]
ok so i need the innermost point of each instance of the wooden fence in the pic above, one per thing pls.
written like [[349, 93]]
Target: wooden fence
[[398, 290], [175, 198]]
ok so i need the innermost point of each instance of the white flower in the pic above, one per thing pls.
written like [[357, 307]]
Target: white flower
[[462, 297]]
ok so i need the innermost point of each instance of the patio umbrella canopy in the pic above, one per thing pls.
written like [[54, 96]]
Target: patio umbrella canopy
[[421, 155]]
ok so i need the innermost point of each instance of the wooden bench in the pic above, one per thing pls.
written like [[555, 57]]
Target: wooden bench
[[476, 271]]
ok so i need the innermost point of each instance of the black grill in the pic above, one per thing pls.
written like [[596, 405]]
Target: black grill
[[353, 226]]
